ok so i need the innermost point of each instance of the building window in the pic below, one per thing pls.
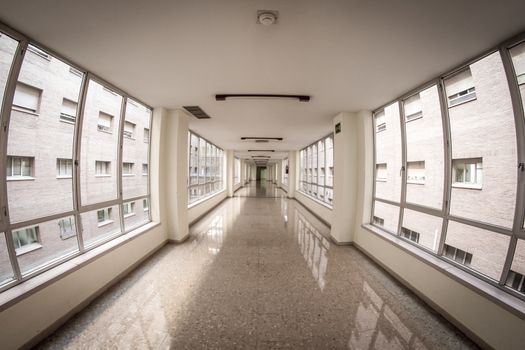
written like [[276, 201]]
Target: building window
[[146, 135], [26, 240], [381, 172], [145, 169], [27, 98], [467, 172], [104, 217], [460, 88], [105, 122], [206, 165], [67, 228], [76, 72], [64, 168], [380, 122], [409, 234], [38, 52], [127, 169], [69, 111], [128, 209], [416, 172], [129, 130], [378, 221], [19, 167], [413, 109], [145, 204], [516, 281], [102, 168], [457, 255]]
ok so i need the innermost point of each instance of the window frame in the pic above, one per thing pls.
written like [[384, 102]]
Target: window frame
[[518, 229], [310, 174], [211, 180], [22, 43]]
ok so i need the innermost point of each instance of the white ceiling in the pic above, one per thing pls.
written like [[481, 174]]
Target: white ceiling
[[348, 54]]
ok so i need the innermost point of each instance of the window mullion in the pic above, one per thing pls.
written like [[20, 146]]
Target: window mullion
[[77, 138], [6, 116], [447, 168], [120, 152], [403, 170], [374, 170]]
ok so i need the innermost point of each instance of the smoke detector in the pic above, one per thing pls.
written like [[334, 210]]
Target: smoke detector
[[267, 17]]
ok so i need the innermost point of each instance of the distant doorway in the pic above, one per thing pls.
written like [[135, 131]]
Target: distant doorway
[[262, 173]]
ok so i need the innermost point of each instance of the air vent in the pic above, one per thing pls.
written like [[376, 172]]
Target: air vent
[[262, 141], [261, 150], [197, 112]]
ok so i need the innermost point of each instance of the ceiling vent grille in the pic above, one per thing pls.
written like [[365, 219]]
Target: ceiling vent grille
[[197, 112]]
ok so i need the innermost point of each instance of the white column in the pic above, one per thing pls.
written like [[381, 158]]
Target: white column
[[345, 177], [242, 175], [174, 174], [157, 166], [278, 173], [292, 173], [230, 164]]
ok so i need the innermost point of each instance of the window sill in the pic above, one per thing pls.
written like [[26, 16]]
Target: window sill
[[462, 103], [144, 174], [467, 186], [20, 178], [25, 111], [317, 200], [28, 249], [25, 289], [128, 175], [105, 131], [67, 122], [105, 223], [411, 120], [415, 183], [64, 177], [68, 237], [129, 138], [500, 297], [146, 209], [102, 175], [204, 199], [129, 215], [380, 180]]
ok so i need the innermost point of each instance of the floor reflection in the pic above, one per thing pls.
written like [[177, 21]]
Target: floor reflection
[[260, 189], [258, 273]]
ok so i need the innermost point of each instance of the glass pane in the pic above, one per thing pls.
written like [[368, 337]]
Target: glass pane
[[45, 243], [100, 133], [137, 215], [388, 151], [516, 277], [386, 216], [483, 143], [98, 225], [476, 248], [425, 156], [38, 137], [8, 48], [6, 270], [422, 229], [135, 150]]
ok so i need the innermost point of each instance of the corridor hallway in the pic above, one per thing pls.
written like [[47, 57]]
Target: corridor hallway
[[258, 272], [262, 188]]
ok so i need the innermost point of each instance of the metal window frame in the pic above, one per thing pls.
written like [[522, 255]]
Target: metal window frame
[[214, 175], [518, 228], [5, 115], [308, 150]]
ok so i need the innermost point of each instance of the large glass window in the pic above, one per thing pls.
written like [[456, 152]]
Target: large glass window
[[445, 169], [55, 152], [284, 171], [317, 170], [205, 168], [237, 172]]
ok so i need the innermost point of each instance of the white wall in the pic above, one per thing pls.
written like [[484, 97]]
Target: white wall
[[198, 210], [320, 210]]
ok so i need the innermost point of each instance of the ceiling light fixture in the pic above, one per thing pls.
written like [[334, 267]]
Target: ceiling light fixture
[[223, 97]]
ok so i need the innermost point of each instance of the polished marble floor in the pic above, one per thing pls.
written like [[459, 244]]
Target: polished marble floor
[[258, 273]]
